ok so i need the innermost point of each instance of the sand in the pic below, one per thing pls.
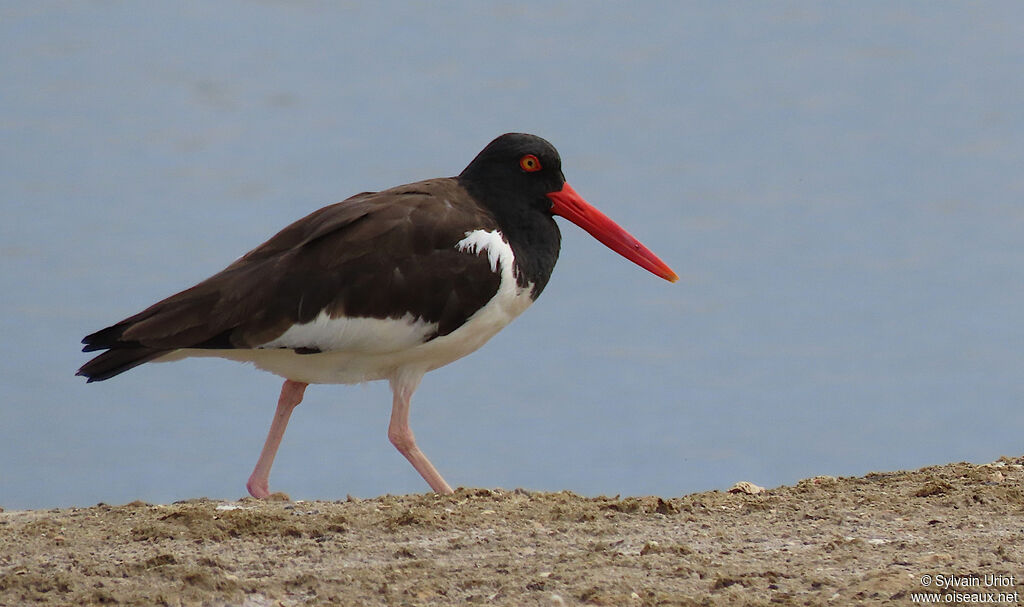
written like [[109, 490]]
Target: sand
[[956, 530]]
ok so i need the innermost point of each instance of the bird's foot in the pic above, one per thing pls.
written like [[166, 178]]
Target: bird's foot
[[258, 487]]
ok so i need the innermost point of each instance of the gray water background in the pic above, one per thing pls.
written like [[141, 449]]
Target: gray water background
[[839, 185]]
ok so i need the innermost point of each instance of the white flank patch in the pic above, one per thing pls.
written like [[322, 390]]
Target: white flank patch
[[511, 299], [357, 335], [498, 251]]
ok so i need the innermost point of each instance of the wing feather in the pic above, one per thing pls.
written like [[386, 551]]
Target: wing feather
[[376, 255]]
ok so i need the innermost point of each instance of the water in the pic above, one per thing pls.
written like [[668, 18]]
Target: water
[[839, 187]]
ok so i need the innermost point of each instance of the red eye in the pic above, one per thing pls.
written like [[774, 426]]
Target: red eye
[[529, 163]]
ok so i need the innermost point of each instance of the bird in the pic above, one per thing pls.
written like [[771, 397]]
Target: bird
[[384, 285]]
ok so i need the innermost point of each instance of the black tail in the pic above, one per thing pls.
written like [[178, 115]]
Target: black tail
[[115, 362], [157, 330], [198, 317], [119, 357]]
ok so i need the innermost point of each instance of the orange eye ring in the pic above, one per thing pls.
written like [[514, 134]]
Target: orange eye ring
[[529, 163]]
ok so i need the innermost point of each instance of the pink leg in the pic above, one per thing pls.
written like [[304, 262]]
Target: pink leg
[[291, 396], [400, 435]]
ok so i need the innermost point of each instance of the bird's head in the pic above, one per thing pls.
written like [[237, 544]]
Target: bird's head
[[521, 173]]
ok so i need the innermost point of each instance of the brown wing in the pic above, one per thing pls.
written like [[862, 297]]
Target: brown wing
[[379, 255]]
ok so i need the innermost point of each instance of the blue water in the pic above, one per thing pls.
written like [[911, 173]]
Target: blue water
[[839, 186]]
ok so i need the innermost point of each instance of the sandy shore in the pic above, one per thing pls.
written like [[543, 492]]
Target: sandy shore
[[878, 539]]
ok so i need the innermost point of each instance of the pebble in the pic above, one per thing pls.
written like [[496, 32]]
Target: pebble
[[746, 487]]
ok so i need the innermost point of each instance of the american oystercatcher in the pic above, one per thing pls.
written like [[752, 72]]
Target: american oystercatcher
[[384, 285]]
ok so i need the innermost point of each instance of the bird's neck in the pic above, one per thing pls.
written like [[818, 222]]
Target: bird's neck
[[531, 232], [535, 241]]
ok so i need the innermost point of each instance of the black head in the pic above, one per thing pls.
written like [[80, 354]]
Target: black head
[[519, 178], [515, 169]]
